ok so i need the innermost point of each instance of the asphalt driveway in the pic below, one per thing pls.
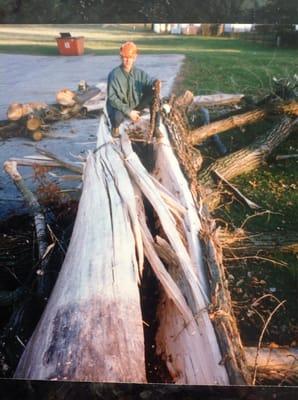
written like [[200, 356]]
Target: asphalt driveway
[[27, 78]]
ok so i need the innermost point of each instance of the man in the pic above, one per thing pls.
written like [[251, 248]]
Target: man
[[129, 89]]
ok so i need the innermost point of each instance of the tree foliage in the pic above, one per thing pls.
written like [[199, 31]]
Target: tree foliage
[[94, 11]]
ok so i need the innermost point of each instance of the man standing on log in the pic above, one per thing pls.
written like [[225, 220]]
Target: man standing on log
[[130, 89]]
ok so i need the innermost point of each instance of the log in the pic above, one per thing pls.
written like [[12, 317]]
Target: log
[[33, 122], [63, 162], [285, 156], [185, 100], [10, 168], [278, 365], [200, 134], [65, 97], [12, 129], [33, 162], [16, 111], [242, 243], [91, 329], [218, 99], [185, 348], [249, 157], [37, 135], [224, 321]]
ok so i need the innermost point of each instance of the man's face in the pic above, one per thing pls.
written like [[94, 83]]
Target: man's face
[[128, 62]]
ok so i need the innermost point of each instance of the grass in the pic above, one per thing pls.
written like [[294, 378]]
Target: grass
[[211, 65]]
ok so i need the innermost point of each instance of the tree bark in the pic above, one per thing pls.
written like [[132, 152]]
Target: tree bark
[[221, 307], [250, 157], [12, 129], [184, 348], [278, 365], [199, 135], [241, 243]]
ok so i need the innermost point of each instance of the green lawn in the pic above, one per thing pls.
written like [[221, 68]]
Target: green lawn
[[211, 65]]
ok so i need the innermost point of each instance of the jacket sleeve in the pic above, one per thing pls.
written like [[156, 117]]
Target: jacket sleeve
[[113, 97]]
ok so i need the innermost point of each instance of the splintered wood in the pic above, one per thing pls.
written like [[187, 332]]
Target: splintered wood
[[92, 328]]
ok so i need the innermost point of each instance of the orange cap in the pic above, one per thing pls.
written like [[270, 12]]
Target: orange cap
[[128, 49]]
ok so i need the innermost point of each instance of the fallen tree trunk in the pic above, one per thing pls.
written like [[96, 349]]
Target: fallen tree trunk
[[91, 329], [184, 349], [241, 243], [278, 365], [10, 168], [250, 157], [222, 313], [217, 99], [199, 135]]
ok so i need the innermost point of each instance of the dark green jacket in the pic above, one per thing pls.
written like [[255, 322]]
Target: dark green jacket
[[125, 90]]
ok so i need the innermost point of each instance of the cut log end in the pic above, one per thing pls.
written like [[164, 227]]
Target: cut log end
[[15, 112], [33, 123], [10, 168], [37, 135], [65, 97]]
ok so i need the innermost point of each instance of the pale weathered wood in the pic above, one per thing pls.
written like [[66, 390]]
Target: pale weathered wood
[[217, 99], [91, 329], [191, 353], [10, 168], [237, 192], [63, 162], [285, 156]]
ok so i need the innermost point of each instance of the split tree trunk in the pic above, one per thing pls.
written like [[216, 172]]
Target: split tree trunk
[[91, 329], [191, 352], [233, 356]]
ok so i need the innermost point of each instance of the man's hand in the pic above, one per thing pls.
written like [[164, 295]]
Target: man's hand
[[134, 115], [157, 84]]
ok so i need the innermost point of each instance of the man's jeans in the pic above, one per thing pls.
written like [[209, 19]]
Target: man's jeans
[[117, 117]]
